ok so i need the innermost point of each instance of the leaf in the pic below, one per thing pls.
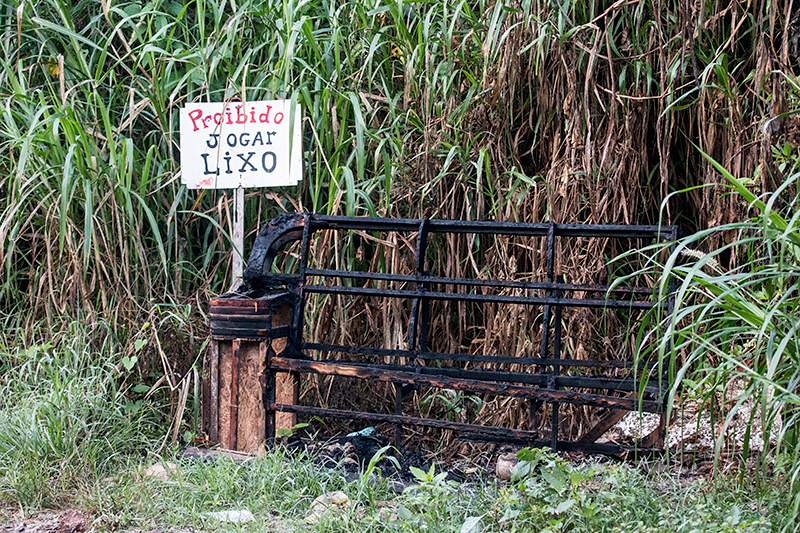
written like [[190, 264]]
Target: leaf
[[563, 506], [510, 514], [129, 362], [404, 513], [521, 470], [556, 479], [526, 454], [141, 388], [471, 524], [418, 473], [283, 432], [138, 344]]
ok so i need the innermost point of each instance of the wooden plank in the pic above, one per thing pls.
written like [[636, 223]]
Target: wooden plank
[[603, 425], [470, 385], [287, 384], [251, 413], [224, 392], [213, 391], [234, 400], [656, 437]]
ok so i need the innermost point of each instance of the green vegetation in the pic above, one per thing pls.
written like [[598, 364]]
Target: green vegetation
[[70, 436], [739, 327], [575, 111]]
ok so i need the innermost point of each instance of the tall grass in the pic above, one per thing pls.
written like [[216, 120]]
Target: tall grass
[[67, 415], [733, 337], [575, 111], [526, 111]]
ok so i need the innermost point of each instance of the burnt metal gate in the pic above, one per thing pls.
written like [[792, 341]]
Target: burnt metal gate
[[549, 380]]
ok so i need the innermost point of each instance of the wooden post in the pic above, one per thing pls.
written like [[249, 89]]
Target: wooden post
[[238, 238], [234, 381]]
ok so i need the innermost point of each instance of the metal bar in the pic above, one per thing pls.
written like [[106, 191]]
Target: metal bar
[[564, 445], [403, 419], [385, 352], [550, 268], [490, 227], [378, 276], [542, 379], [448, 296], [398, 411], [470, 385], [480, 433], [297, 316], [269, 396], [556, 370], [423, 286]]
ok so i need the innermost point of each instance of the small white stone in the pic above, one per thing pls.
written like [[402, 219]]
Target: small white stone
[[235, 517]]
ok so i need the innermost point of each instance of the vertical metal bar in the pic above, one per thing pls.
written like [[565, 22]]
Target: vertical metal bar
[[556, 368], [269, 393], [398, 410], [665, 377], [296, 332], [422, 246], [550, 247], [425, 305], [418, 307]]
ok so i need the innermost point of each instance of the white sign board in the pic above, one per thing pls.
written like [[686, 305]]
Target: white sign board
[[253, 144]]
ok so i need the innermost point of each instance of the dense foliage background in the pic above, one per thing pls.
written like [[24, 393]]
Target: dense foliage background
[[528, 110], [571, 112]]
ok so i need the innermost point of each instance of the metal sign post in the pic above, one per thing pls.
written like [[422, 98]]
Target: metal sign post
[[232, 145]]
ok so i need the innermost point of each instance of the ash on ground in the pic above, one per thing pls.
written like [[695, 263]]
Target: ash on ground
[[696, 426]]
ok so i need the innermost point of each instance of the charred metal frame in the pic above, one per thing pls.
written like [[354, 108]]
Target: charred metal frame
[[540, 386]]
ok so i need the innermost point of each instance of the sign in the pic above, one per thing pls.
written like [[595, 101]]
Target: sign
[[231, 145]]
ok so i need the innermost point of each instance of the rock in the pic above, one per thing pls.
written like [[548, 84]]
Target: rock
[[505, 464], [73, 521], [160, 471], [201, 453], [329, 504], [234, 517]]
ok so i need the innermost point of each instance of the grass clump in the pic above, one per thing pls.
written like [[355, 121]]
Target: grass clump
[[66, 417], [732, 340]]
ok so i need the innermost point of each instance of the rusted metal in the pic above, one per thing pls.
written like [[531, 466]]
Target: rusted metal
[[550, 382]]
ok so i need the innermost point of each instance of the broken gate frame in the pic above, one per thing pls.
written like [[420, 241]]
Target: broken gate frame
[[538, 387]]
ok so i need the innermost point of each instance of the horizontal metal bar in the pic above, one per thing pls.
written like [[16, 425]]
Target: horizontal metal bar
[[490, 298], [469, 385], [378, 276], [476, 432], [491, 227], [541, 378], [566, 445], [402, 419], [496, 359]]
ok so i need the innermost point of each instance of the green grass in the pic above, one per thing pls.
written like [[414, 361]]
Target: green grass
[[67, 415], [72, 436], [736, 320], [279, 488], [528, 110]]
